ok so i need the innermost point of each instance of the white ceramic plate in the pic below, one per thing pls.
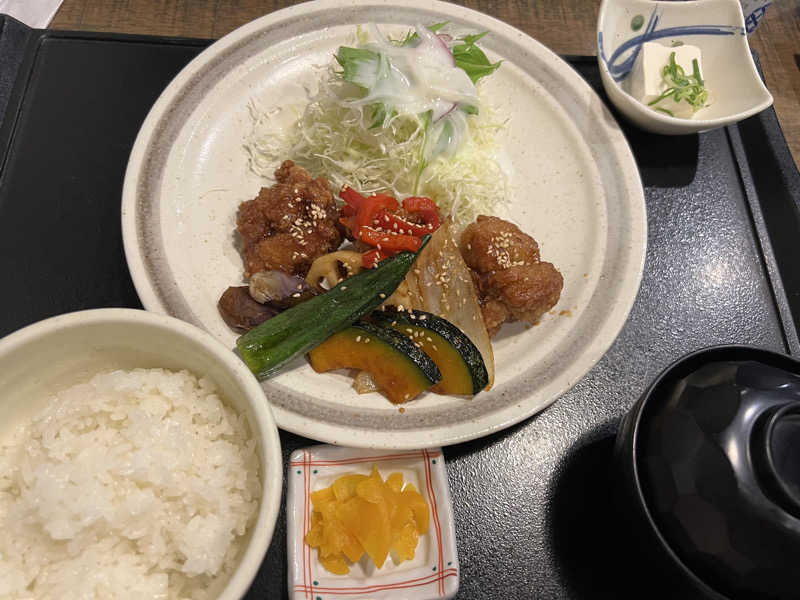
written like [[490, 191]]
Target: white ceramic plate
[[574, 182], [433, 573]]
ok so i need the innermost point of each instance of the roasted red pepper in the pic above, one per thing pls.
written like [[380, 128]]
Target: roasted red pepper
[[396, 224], [352, 197], [369, 209], [391, 242], [353, 201], [426, 209], [371, 257], [364, 216]]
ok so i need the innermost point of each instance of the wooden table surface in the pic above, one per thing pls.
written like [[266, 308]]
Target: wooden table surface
[[565, 26]]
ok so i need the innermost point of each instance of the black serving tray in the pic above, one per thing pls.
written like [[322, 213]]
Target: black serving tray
[[532, 504]]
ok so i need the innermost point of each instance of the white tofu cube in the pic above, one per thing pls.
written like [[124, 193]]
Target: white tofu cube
[[646, 82]]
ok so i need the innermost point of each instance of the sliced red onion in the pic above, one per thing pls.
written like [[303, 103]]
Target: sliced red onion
[[449, 110], [436, 44]]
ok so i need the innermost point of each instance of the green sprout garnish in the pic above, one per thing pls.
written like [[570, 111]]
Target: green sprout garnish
[[681, 86]]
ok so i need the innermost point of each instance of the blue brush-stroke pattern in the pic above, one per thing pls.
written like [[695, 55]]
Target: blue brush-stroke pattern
[[751, 22], [620, 71], [627, 65]]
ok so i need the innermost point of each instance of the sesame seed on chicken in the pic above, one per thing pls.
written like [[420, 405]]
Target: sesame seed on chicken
[[289, 224], [513, 283]]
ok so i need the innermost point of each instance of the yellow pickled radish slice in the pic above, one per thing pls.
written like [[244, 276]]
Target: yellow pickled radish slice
[[404, 543], [395, 482], [344, 488], [369, 522], [366, 514]]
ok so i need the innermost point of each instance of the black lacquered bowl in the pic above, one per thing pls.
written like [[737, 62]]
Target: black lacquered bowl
[[710, 465]]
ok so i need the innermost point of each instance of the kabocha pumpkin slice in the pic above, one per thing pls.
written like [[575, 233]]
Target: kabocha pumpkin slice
[[397, 365], [453, 297], [459, 361]]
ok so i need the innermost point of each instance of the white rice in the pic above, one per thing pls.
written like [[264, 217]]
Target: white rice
[[136, 484]]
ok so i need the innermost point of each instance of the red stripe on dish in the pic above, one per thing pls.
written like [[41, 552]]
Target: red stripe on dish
[[352, 461], [435, 513], [306, 523], [369, 589]]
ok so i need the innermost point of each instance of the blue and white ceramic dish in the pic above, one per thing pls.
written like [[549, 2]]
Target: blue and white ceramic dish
[[717, 27]]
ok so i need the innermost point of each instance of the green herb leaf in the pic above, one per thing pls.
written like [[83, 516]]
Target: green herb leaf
[[352, 61], [467, 55], [471, 39], [472, 59]]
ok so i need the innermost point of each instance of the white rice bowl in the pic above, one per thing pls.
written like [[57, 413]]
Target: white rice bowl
[[122, 474], [136, 484]]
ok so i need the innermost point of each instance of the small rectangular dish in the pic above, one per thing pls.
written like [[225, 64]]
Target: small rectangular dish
[[432, 574]]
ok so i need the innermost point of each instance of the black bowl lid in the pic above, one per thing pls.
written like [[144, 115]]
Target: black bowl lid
[[775, 447], [717, 452]]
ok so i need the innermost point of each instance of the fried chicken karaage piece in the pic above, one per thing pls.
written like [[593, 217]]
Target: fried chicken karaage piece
[[289, 224], [513, 283]]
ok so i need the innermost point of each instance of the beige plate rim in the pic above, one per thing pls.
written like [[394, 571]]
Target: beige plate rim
[[585, 339]]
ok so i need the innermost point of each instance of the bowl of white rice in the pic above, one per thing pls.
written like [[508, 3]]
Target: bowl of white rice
[[138, 459]]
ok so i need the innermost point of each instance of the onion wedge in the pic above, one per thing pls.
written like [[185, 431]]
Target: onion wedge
[[441, 283]]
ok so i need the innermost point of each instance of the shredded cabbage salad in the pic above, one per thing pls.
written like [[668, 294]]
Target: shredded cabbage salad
[[400, 116]]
